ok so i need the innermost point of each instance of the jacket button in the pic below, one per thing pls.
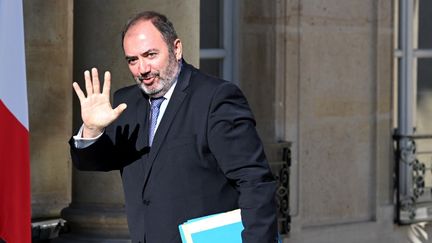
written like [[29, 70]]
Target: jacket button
[[146, 202]]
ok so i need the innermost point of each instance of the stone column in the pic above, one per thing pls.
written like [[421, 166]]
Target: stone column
[[48, 43], [96, 213]]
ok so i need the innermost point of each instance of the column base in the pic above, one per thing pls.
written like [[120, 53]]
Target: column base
[[95, 223], [82, 238]]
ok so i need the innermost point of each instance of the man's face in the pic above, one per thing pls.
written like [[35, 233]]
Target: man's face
[[150, 61]]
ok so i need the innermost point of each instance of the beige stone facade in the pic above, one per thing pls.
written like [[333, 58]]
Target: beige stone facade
[[49, 40], [316, 73]]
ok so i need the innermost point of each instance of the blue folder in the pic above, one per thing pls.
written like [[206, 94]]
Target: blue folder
[[223, 227], [216, 228]]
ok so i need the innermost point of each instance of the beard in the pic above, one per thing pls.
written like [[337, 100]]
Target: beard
[[163, 79]]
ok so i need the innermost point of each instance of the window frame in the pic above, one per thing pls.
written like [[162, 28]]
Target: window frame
[[412, 204], [227, 53]]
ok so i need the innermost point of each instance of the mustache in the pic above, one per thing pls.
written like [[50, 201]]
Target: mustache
[[148, 75]]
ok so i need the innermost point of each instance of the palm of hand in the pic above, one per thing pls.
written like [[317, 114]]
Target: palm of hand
[[96, 110]]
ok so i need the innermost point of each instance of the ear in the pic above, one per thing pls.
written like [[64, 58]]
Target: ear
[[178, 49]]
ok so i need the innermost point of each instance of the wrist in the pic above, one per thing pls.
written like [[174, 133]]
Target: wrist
[[91, 132]]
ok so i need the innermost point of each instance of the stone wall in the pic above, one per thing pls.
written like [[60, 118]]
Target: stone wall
[[319, 74], [48, 43]]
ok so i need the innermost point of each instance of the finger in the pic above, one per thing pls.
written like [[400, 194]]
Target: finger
[[88, 83], [95, 78], [107, 83], [120, 108], [78, 91]]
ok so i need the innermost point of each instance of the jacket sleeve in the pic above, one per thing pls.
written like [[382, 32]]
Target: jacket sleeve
[[239, 152], [100, 156]]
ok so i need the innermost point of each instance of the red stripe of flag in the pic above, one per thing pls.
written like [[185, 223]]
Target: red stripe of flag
[[15, 206]]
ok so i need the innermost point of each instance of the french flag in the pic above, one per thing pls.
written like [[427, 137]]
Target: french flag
[[15, 205]]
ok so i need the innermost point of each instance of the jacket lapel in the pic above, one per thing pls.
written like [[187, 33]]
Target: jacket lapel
[[143, 109], [173, 107]]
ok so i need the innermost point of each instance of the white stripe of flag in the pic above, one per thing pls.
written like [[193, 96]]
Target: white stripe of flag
[[13, 88]]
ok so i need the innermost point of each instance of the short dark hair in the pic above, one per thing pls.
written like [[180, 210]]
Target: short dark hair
[[160, 21]]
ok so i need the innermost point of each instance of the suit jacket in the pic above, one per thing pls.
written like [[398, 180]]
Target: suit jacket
[[206, 158]]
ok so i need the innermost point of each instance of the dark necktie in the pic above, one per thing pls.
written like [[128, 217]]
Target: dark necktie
[[154, 113]]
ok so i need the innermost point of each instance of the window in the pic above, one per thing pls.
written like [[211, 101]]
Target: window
[[413, 74], [217, 27]]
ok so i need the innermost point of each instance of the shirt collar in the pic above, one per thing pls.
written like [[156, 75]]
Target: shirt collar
[[169, 93]]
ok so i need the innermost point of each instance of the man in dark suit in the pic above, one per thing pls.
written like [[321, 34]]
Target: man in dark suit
[[185, 142]]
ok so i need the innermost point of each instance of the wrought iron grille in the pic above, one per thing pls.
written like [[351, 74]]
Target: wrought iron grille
[[279, 156], [413, 178]]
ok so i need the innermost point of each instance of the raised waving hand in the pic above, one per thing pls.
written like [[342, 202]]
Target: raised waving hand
[[96, 110]]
